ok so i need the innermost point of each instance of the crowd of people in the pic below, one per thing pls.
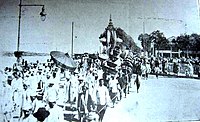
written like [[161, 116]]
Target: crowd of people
[[171, 66], [39, 91], [36, 91]]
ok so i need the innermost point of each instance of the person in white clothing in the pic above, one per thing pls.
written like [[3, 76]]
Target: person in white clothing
[[17, 85], [191, 69], [148, 70], [144, 70], [56, 113], [7, 103], [26, 102], [103, 99], [17, 82], [113, 87], [51, 94], [33, 84], [40, 109]]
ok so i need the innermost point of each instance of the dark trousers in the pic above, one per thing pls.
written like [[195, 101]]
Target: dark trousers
[[113, 96], [147, 75], [101, 109]]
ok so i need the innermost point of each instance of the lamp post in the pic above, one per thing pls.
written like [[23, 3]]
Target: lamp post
[[18, 53]]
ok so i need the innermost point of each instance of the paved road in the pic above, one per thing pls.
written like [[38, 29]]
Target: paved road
[[163, 99]]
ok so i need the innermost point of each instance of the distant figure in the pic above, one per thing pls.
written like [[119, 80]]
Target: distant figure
[[190, 69], [198, 70], [175, 68], [148, 70], [144, 70], [186, 72], [137, 83], [157, 68]]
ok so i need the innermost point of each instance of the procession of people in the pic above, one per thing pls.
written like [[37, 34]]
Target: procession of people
[[31, 87]]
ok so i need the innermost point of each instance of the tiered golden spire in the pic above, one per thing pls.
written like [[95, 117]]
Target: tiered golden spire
[[110, 21]]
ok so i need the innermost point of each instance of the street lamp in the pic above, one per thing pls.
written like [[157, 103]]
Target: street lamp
[[42, 15]]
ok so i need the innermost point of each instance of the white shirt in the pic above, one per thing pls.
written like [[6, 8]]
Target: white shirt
[[52, 93], [27, 103], [33, 84], [17, 84], [148, 68], [113, 85], [143, 68], [6, 103], [102, 95]]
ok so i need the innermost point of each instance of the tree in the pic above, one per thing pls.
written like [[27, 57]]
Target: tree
[[145, 42], [127, 40], [183, 42], [198, 43], [160, 41], [172, 43], [193, 40]]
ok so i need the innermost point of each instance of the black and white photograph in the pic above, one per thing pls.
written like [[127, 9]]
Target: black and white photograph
[[99, 60]]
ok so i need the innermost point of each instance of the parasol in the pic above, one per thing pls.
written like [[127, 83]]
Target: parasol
[[63, 60]]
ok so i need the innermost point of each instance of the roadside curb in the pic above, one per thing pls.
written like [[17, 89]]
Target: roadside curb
[[175, 76]]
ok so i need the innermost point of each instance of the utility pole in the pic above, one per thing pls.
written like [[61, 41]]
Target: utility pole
[[72, 40], [19, 25]]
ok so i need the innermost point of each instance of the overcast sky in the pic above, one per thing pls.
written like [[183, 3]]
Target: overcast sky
[[172, 17]]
